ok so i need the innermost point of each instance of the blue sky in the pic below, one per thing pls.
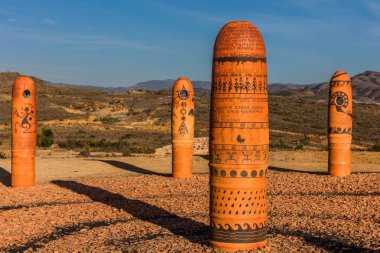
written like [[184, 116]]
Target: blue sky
[[121, 42]]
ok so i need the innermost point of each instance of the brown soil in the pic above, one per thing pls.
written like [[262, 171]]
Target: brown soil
[[102, 208]]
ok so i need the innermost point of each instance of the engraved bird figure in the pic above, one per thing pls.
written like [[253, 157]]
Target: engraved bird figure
[[240, 139]]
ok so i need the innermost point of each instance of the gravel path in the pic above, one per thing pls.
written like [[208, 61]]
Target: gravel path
[[308, 212]]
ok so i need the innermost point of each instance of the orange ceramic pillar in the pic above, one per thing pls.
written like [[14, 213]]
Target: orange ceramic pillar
[[239, 139], [182, 128], [340, 124], [24, 126]]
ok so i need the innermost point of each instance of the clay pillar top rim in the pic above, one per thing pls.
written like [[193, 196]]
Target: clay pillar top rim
[[182, 78], [23, 80], [340, 75], [22, 84], [182, 82], [238, 21], [250, 46]]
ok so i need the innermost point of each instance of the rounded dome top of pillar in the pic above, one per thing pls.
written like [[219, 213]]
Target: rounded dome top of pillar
[[183, 83], [240, 37], [340, 75], [23, 85]]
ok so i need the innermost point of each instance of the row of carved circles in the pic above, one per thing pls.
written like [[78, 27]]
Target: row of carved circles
[[243, 173]]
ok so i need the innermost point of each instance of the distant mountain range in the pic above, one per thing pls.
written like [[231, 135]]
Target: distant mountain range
[[168, 85], [366, 86]]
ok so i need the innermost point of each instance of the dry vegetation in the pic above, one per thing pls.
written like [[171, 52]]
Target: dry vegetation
[[138, 121]]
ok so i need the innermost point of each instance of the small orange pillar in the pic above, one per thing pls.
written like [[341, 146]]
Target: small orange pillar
[[182, 128], [239, 139], [340, 124], [24, 128]]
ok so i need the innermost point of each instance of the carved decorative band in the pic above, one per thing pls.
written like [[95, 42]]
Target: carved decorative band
[[239, 59], [231, 173], [340, 130], [243, 234], [339, 83], [241, 125], [240, 147]]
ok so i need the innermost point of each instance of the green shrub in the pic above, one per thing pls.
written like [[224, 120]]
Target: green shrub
[[281, 145], [85, 152], [46, 138], [109, 120], [71, 144], [126, 152], [126, 136], [3, 155], [375, 148]]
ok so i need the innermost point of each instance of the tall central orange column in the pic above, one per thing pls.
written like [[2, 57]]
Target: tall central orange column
[[239, 139], [182, 128], [340, 124], [24, 128]]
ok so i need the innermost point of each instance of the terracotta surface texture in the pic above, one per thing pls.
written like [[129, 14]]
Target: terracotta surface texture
[[24, 126], [340, 124], [239, 139], [182, 128]]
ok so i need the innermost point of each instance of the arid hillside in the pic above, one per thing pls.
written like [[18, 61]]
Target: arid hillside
[[365, 88], [138, 121]]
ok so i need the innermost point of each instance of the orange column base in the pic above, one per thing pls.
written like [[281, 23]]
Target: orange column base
[[340, 159], [182, 163], [237, 246]]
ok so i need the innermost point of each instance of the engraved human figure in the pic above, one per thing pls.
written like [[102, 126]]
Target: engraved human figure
[[230, 85], [231, 156], [246, 159], [224, 86], [258, 156], [241, 85], [247, 85], [217, 158], [254, 84], [236, 85], [26, 122], [220, 86]]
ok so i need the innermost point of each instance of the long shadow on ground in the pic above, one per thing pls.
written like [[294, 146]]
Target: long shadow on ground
[[324, 241], [299, 171], [316, 172], [132, 168], [58, 233], [194, 231], [5, 177], [332, 194]]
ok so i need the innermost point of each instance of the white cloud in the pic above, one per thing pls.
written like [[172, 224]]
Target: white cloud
[[373, 6], [49, 21]]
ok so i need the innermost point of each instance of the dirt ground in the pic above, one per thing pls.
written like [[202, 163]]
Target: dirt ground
[[132, 205], [56, 166]]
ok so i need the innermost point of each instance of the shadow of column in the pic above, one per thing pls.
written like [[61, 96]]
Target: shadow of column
[[133, 168], [195, 232], [5, 177]]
